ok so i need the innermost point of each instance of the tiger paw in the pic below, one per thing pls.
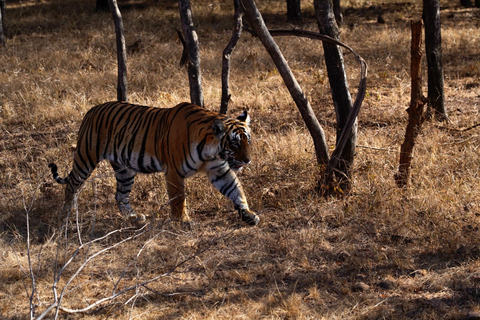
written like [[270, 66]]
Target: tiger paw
[[137, 218], [249, 217]]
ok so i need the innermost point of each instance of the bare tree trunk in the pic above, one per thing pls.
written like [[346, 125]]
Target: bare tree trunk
[[193, 64], [102, 5], [121, 52], [227, 52], [337, 11], [415, 111], [2, 25], [294, 12], [258, 25], [433, 49], [340, 91]]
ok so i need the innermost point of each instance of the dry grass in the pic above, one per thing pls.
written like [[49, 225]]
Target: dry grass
[[416, 251]]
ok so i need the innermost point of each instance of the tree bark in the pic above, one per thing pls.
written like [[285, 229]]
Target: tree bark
[[433, 49], [340, 90], [337, 11], [121, 52], [415, 111], [294, 12], [2, 25], [227, 52], [258, 25], [193, 64], [102, 6]]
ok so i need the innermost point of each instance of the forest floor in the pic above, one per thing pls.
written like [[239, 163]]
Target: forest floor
[[378, 253]]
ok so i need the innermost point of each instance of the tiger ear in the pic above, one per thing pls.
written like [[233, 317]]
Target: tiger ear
[[244, 117], [218, 128]]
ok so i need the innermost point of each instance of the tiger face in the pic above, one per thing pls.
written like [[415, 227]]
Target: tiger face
[[237, 146]]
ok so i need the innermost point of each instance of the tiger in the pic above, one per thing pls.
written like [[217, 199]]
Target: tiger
[[179, 141]]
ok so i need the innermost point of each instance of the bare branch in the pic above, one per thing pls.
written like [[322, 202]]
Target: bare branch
[[57, 302], [227, 52], [114, 295]]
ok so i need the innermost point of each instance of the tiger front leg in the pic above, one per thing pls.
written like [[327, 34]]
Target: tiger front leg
[[125, 179], [226, 181], [176, 195]]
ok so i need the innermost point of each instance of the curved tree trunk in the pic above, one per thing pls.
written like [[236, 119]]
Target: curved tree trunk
[[121, 52], [258, 25], [193, 64], [340, 91]]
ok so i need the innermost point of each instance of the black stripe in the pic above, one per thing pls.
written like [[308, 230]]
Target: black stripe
[[186, 160], [200, 147], [224, 189], [218, 178]]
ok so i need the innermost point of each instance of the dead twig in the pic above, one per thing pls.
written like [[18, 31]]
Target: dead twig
[[460, 129]]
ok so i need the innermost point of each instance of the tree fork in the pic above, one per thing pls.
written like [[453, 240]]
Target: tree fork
[[416, 115]]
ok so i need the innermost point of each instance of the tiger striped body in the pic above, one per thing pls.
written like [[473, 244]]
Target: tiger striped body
[[178, 141]]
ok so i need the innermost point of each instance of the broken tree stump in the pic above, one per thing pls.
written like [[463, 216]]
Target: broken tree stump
[[416, 115]]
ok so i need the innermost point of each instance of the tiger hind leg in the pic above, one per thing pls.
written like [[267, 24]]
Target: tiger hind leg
[[125, 179], [177, 198], [73, 181]]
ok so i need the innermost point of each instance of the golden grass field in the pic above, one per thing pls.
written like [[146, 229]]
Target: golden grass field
[[379, 253]]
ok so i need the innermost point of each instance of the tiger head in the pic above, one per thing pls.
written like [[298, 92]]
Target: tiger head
[[235, 140]]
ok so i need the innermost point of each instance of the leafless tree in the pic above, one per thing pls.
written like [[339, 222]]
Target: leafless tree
[[2, 25], [102, 5], [121, 52], [416, 114], [433, 50], [339, 86], [266, 37], [337, 11], [193, 62], [255, 20], [294, 12], [227, 52]]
